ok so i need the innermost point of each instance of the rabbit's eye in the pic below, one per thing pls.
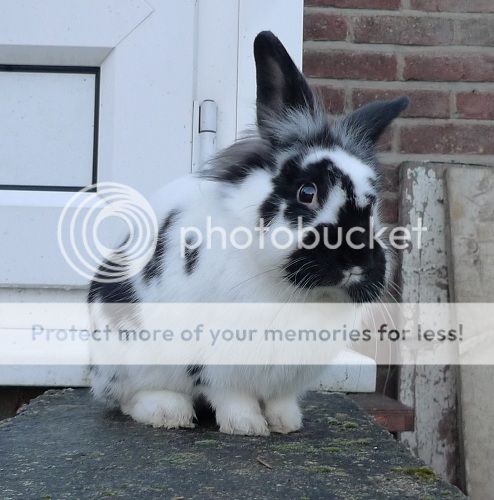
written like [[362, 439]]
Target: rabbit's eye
[[307, 194]]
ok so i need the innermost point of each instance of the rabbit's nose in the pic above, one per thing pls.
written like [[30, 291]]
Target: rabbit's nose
[[355, 271], [352, 275]]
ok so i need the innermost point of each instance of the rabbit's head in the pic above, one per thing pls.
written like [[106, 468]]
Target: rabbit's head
[[306, 171]]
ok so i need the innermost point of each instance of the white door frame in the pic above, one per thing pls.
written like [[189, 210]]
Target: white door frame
[[222, 45], [125, 38]]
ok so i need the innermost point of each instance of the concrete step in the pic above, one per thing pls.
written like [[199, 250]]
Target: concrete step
[[63, 446]]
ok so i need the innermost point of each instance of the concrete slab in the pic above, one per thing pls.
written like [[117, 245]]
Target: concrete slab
[[64, 445]]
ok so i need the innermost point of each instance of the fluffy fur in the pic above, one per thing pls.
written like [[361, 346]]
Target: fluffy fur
[[258, 177]]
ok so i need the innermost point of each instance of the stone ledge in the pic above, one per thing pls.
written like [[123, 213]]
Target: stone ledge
[[63, 445]]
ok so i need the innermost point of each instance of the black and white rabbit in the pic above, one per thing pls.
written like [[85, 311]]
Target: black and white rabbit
[[297, 166]]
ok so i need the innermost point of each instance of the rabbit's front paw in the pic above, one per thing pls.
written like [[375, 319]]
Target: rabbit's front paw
[[248, 425], [167, 409], [240, 414], [283, 415]]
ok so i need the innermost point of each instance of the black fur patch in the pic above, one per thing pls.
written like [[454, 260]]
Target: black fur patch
[[369, 122], [323, 266], [287, 183], [191, 259], [194, 371], [269, 209], [121, 292], [152, 268], [321, 136], [235, 164], [280, 85], [110, 383]]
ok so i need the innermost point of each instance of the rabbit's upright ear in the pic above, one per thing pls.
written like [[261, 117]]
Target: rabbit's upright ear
[[370, 121], [280, 85]]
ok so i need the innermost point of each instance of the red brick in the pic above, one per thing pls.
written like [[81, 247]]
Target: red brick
[[385, 142], [475, 105], [388, 208], [453, 5], [389, 178], [423, 103], [448, 138], [322, 26], [452, 68], [349, 65], [475, 32], [332, 97], [356, 4], [403, 30]]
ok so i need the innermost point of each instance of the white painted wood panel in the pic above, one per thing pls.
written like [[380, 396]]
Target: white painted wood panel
[[145, 133], [47, 124], [66, 32], [430, 390], [157, 57]]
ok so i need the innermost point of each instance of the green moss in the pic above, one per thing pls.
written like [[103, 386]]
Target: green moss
[[185, 458], [325, 469], [351, 444], [331, 449], [341, 416], [295, 447], [332, 421], [109, 493], [339, 422], [207, 442], [423, 473], [318, 469]]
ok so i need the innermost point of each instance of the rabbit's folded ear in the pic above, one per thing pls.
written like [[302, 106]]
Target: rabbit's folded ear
[[370, 121], [280, 85]]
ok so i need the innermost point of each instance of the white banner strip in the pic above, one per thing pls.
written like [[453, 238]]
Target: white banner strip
[[248, 334]]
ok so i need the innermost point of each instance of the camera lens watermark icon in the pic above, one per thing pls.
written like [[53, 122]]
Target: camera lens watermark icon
[[110, 224]]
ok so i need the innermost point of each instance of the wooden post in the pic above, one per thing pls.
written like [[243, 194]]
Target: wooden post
[[471, 219], [431, 390]]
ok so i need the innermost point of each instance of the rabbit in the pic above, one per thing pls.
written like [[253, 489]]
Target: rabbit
[[297, 165]]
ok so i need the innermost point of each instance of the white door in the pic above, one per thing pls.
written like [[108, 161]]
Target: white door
[[92, 90], [105, 90], [108, 90]]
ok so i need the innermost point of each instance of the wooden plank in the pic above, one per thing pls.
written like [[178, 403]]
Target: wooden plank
[[471, 217], [389, 413], [431, 390]]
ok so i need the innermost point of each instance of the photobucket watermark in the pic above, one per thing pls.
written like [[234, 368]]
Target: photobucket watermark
[[107, 219], [303, 236], [108, 232]]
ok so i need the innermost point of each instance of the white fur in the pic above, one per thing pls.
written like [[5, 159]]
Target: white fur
[[360, 173], [162, 396], [238, 413], [161, 409], [283, 414], [329, 212], [251, 400]]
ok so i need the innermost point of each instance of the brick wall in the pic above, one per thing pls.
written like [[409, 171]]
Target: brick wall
[[438, 52]]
